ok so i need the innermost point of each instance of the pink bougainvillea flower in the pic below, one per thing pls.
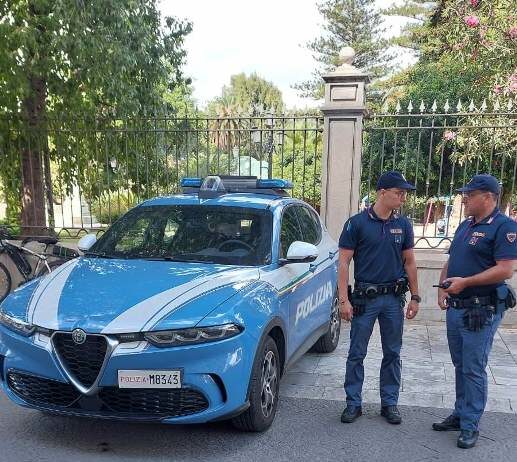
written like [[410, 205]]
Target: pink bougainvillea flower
[[512, 88], [512, 32], [449, 136], [471, 21], [498, 89], [474, 3]]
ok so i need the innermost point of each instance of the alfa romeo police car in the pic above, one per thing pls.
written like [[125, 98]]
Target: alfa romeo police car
[[187, 310]]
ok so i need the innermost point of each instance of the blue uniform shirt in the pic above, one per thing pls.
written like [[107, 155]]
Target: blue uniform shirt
[[377, 245], [477, 246]]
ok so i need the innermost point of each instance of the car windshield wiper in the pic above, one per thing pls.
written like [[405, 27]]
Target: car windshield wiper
[[91, 253], [177, 258]]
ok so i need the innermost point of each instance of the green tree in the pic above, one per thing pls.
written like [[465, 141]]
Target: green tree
[[251, 95], [69, 57], [417, 14], [354, 23]]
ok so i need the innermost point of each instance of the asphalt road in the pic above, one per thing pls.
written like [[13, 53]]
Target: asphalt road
[[304, 430]]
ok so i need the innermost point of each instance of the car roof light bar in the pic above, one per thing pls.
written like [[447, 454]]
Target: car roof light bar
[[213, 186]]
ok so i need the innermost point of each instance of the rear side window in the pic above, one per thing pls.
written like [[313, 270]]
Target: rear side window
[[310, 224], [289, 231]]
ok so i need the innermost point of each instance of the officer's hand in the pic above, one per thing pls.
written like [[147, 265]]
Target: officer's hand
[[442, 299], [345, 310], [457, 285], [412, 309]]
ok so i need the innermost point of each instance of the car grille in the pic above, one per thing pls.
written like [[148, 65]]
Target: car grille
[[170, 403], [83, 361], [40, 391], [143, 403]]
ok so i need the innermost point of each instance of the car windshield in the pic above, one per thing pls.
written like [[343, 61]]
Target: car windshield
[[225, 235]]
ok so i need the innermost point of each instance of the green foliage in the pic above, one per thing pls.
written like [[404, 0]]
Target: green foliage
[[417, 13], [354, 23], [109, 207], [68, 66], [251, 95], [468, 50]]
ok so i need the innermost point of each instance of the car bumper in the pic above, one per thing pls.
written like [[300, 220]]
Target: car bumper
[[215, 379]]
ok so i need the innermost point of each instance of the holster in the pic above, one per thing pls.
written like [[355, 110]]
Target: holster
[[357, 301], [505, 298]]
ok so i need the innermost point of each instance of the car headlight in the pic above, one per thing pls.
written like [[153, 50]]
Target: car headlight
[[192, 336], [16, 325]]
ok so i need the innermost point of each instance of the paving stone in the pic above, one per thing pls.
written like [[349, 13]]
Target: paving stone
[[427, 374], [492, 405], [301, 391], [423, 399], [504, 375]]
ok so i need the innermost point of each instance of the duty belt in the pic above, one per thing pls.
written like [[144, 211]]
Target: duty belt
[[373, 290], [460, 303]]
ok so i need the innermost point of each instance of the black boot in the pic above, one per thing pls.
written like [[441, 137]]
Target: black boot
[[391, 414], [451, 423], [467, 439], [351, 413]]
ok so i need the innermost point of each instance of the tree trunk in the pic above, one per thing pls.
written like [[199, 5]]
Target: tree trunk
[[33, 191]]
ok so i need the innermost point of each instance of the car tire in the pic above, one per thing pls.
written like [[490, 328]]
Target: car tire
[[327, 343], [263, 390]]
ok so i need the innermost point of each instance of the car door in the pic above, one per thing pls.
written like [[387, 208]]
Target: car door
[[294, 276], [320, 288]]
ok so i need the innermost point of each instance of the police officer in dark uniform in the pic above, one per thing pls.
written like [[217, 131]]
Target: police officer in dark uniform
[[473, 291], [381, 244]]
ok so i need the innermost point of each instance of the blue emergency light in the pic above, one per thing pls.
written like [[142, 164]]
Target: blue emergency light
[[216, 185]]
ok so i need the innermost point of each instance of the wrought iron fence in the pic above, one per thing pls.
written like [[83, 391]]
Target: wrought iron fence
[[90, 171], [440, 152]]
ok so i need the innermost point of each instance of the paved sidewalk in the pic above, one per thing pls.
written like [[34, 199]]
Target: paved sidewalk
[[427, 371]]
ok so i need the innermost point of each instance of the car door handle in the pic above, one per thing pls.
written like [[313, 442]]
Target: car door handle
[[331, 254], [312, 267]]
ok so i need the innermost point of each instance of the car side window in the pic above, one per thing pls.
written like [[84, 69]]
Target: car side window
[[289, 230], [310, 224]]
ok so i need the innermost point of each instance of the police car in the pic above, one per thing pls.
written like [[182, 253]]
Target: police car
[[187, 310]]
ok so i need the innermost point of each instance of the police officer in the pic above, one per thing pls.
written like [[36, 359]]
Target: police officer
[[480, 260], [381, 244]]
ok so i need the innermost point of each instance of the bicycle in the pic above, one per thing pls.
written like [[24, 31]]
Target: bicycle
[[18, 255]]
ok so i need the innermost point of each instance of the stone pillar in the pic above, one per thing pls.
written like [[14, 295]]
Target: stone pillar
[[343, 112]]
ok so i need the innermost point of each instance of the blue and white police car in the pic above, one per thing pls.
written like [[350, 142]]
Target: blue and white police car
[[187, 310]]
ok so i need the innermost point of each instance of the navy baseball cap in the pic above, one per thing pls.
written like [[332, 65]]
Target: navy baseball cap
[[482, 182], [393, 180]]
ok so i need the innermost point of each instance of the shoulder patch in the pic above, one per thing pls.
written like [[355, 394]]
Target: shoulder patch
[[510, 237]]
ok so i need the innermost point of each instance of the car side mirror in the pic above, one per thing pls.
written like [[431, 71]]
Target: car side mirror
[[300, 252], [86, 242]]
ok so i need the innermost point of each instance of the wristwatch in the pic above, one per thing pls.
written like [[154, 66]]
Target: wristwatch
[[416, 298]]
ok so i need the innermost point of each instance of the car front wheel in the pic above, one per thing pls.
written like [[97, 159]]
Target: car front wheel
[[263, 390]]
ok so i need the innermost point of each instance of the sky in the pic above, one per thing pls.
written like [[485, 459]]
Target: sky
[[266, 37]]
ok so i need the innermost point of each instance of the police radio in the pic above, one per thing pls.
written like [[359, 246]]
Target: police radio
[[443, 285]]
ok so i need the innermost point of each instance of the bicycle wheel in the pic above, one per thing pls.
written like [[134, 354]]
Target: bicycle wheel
[[52, 264], [5, 282]]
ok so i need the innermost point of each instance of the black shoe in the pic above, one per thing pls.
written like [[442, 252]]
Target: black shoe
[[351, 413], [391, 414], [451, 423], [467, 439]]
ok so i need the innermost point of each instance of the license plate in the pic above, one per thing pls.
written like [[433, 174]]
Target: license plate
[[149, 379]]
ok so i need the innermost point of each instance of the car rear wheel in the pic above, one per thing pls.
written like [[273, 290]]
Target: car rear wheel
[[263, 390], [328, 342]]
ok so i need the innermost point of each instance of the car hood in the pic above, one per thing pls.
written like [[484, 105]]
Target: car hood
[[122, 296]]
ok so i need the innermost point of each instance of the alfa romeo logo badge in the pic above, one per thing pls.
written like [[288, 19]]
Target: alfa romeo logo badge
[[79, 336]]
